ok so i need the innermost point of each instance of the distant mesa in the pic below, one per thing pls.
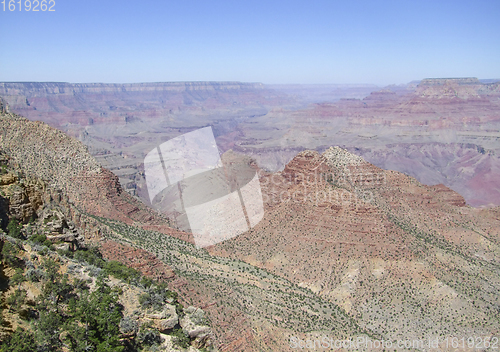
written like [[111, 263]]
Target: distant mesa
[[442, 81], [451, 88]]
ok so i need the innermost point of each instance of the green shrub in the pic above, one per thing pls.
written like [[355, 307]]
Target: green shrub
[[9, 253], [34, 275], [180, 338], [91, 256], [128, 325], [95, 319], [18, 277], [16, 300], [148, 336], [48, 327], [41, 240], [156, 296], [20, 341], [14, 229], [66, 312], [121, 271]]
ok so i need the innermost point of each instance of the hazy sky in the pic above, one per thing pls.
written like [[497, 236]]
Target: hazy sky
[[311, 41]]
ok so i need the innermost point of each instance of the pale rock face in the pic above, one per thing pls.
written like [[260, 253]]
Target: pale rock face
[[22, 199], [63, 246], [55, 220], [193, 324], [167, 319], [60, 229], [168, 345], [7, 179], [19, 205]]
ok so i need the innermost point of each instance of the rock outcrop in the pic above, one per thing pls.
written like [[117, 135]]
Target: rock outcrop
[[166, 319], [194, 325]]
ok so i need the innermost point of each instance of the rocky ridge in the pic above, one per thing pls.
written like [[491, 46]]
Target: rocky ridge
[[64, 164], [38, 215], [379, 244]]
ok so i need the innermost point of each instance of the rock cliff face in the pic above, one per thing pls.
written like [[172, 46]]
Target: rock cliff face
[[87, 104], [455, 88], [47, 210], [442, 131], [131, 119], [45, 88], [470, 170], [50, 155], [55, 168]]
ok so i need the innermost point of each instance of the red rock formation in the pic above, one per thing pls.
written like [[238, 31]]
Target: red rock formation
[[147, 263]]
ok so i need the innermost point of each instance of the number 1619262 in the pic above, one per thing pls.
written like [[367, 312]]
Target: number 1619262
[[28, 5]]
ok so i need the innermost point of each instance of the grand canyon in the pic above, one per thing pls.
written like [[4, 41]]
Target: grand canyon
[[440, 131], [381, 211]]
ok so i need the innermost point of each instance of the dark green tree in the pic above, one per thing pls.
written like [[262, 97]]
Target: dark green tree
[[14, 229], [9, 253], [96, 319], [20, 341], [48, 328]]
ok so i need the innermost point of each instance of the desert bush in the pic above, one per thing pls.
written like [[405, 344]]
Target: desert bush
[[94, 271], [41, 239], [181, 339], [16, 300], [156, 296], [91, 256], [121, 271], [128, 325], [34, 275], [148, 336]]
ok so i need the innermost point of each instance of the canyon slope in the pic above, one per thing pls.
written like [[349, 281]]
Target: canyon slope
[[440, 131], [403, 260], [345, 249]]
